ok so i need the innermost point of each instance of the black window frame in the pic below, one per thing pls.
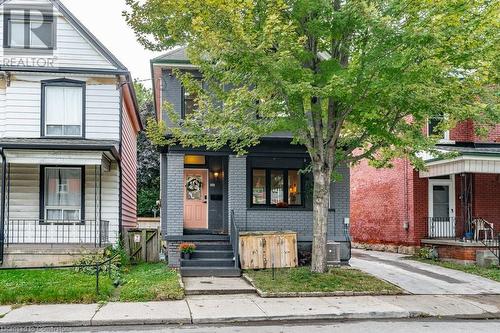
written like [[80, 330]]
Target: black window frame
[[284, 172], [42, 190], [183, 96], [63, 83], [8, 18]]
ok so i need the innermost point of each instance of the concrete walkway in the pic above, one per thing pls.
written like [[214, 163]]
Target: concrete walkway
[[419, 278], [225, 309], [216, 286]]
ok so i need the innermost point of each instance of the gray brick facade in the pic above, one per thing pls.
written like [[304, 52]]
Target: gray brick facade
[[173, 198]]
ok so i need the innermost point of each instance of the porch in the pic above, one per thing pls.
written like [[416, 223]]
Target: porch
[[65, 199], [463, 203]]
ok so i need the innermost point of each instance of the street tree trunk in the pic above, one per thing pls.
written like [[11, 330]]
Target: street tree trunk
[[321, 200]]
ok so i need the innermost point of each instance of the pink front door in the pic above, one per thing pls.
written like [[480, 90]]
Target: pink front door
[[195, 199]]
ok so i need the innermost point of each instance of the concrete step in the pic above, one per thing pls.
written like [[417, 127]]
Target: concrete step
[[207, 263], [203, 254], [214, 247], [210, 271]]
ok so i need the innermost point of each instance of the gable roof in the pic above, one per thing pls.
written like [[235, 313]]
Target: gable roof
[[84, 32], [178, 55]]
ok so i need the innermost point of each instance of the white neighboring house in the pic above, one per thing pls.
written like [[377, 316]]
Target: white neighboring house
[[68, 127]]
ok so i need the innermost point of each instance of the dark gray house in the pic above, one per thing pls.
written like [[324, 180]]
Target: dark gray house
[[207, 195]]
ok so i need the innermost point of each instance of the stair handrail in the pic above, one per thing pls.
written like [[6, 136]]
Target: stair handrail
[[235, 240], [494, 245]]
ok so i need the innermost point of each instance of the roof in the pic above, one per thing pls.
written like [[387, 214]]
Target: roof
[[178, 55], [61, 144], [473, 149]]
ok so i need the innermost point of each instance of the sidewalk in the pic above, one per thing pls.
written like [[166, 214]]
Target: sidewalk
[[251, 308]]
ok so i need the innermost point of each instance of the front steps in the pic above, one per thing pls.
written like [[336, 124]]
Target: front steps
[[211, 258]]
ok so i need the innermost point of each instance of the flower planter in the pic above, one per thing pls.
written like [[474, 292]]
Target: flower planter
[[186, 256]]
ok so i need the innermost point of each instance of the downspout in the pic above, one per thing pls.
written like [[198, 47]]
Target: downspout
[[2, 206]]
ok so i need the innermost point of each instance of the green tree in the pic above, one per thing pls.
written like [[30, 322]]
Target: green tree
[[350, 79], [148, 158]]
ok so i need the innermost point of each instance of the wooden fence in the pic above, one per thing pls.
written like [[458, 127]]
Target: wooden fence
[[143, 245]]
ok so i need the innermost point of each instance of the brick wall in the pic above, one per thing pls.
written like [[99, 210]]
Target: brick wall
[[486, 193], [297, 220], [465, 132], [381, 204]]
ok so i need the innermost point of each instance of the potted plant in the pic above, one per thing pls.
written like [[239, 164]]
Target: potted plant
[[187, 249]]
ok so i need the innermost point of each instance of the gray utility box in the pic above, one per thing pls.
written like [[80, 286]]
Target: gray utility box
[[333, 254]]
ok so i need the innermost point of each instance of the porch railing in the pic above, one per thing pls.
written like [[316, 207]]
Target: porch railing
[[235, 240], [444, 227], [36, 231]]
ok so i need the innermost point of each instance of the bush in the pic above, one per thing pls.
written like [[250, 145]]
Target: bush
[[146, 201], [427, 253]]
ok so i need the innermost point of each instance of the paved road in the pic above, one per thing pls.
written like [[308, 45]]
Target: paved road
[[419, 278], [364, 326]]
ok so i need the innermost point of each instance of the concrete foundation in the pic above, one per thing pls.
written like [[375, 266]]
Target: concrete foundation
[[45, 255]]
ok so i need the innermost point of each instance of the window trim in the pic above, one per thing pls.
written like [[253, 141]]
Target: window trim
[[63, 83], [285, 187], [446, 134], [183, 96], [42, 190], [27, 34]]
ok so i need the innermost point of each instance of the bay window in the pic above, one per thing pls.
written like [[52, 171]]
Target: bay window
[[276, 187], [63, 194], [63, 109]]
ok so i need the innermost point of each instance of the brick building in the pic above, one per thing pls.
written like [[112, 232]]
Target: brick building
[[399, 209]]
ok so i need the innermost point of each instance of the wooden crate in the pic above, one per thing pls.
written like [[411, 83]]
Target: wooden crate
[[260, 250]]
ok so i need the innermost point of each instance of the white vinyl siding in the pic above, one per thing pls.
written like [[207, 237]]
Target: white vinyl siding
[[20, 107], [25, 187], [72, 50]]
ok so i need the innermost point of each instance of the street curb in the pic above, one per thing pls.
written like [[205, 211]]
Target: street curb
[[391, 315], [265, 294]]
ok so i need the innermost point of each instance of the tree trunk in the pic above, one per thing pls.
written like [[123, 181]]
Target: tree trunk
[[321, 204]]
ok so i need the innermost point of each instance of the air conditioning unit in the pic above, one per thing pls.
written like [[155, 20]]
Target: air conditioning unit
[[333, 254]]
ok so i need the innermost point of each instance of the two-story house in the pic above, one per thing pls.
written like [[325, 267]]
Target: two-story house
[[68, 127], [207, 195], [401, 209]]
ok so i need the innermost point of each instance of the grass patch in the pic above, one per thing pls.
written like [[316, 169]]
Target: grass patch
[[150, 282], [143, 282], [492, 273], [303, 280], [51, 286]]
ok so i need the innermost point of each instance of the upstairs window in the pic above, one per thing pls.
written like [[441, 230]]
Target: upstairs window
[[63, 108], [190, 100], [32, 34], [433, 125]]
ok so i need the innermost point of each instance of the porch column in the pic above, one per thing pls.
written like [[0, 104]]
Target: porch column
[[172, 202], [3, 180], [237, 190]]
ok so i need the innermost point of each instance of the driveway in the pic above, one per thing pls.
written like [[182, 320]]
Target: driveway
[[419, 278]]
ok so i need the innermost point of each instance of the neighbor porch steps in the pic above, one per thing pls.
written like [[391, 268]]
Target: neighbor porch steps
[[211, 258]]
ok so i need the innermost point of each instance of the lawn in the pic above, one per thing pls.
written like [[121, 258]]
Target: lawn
[[293, 280], [492, 272], [51, 286], [144, 282], [150, 282]]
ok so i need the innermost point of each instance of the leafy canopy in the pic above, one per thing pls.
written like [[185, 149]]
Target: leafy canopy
[[350, 79]]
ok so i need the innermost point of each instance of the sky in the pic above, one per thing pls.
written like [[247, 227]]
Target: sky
[[104, 19]]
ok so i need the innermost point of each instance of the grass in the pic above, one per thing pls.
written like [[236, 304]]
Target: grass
[[144, 282], [51, 286], [301, 279], [492, 273], [150, 282]]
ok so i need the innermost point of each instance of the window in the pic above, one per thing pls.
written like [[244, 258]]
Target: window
[[190, 103], [433, 125], [275, 187], [63, 193], [36, 34], [259, 187], [63, 110]]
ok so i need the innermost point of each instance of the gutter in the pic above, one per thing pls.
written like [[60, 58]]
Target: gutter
[[2, 206]]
